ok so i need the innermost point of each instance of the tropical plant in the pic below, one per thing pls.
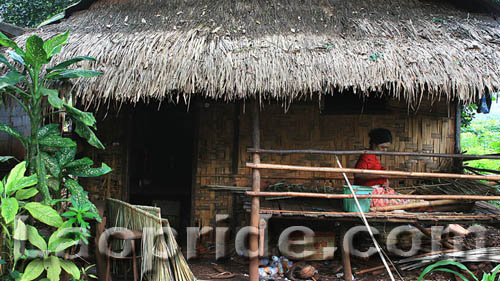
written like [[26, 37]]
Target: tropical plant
[[442, 266], [47, 151], [43, 254], [50, 160], [14, 190]]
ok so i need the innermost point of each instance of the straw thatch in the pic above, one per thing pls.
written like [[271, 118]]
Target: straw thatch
[[236, 49], [161, 256]]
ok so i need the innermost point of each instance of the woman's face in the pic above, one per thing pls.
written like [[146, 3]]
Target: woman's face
[[383, 146]]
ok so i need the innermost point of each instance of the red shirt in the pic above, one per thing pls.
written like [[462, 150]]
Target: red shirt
[[369, 162]]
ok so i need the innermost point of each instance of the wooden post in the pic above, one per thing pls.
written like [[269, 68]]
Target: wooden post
[[254, 216], [346, 256]]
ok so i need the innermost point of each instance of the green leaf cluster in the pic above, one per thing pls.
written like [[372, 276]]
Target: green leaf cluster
[[442, 266], [50, 166]]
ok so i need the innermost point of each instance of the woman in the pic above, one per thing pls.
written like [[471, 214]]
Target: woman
[[380, 140]]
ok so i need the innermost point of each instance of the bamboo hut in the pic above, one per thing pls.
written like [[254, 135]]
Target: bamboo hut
[[180, 76]]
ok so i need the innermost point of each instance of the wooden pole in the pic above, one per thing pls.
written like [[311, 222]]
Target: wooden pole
[[414, 205], [255, 211], [346, 256], [393, 153], [374, 196], [372, 172]]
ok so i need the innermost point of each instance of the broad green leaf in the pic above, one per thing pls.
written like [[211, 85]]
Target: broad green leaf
[[72, 73], [61, 232], [53, 267], [15, 174], [20, 231], [36, 239], [71, 268], [44, 214], [5, 41], [11, 131], [80, 162], [11, 79], [53, 97], [6, 158], [35, 54], [24, 194], [67, 63], [57, 141], [4, 60], [51, 164], [86, 118], [65, 155], [16, 57], [33, 270], [43, 186], [49, 130], [9, 207], [87, 172], [23, 183], [85, 132], [55, 42], [80, 197], [61, 244], [2, 188], [14, 77], [54, 184]]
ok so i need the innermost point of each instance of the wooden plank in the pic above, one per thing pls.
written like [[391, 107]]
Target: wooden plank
[[371, 172]]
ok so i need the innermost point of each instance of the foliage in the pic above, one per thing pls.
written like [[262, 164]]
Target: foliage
[[482, 137], [79, 213], [48, 153], [14, 189], [32, 13], [441, 266], [85, 274], [468, 114], [50, 161]]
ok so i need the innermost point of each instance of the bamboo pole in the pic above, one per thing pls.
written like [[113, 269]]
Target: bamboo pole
[[394, 153], [371, 172], [414, 205], [374, 196], [255, 211]]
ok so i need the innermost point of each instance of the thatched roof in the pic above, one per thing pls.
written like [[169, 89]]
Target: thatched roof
[[284, 49]]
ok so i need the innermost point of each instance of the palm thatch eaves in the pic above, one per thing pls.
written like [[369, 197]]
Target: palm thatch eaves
[[281, 49]]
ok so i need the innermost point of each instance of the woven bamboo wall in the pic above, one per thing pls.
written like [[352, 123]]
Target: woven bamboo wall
[[304, 127], [112, 128]]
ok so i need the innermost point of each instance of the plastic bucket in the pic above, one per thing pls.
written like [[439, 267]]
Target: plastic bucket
[[350, 204]]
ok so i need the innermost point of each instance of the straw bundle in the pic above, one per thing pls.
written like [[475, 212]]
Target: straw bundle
[[285, 50], [160, 251]]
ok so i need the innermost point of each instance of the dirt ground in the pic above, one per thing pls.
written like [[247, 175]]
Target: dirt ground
[[236, 268], [204, 269]]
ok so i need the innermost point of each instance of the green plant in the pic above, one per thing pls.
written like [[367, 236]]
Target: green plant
[[50, 158], [441, 266], [43, 254], [47, 150], [79, 213], [85, 275]]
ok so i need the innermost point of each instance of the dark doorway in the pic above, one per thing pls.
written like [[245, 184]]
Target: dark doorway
[[162, 146]]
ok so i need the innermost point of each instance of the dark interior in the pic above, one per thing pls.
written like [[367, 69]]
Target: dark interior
[[161, 160]]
